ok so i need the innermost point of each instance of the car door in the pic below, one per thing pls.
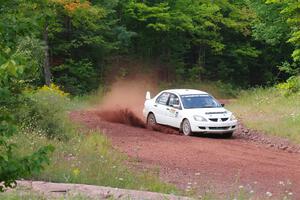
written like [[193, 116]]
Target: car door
[[160, 108], [173, 111]]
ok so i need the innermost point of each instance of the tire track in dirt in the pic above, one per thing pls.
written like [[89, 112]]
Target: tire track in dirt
[[201, 163]]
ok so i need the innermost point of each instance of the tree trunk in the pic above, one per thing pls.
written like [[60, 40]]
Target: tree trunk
[[47, 72]]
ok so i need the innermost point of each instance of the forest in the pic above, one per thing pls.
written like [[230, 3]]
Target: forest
[[71, 42], [69, 45]]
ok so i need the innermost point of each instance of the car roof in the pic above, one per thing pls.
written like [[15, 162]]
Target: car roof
[[185, 91]]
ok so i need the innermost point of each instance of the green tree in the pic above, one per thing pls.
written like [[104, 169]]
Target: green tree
[[205, 39], [242, 42], [80, 31], [290, 10], [12, 80], [80, 48]]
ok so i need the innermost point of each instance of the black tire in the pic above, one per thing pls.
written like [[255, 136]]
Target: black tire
[[227, 135], [151, 121], [186, 127]]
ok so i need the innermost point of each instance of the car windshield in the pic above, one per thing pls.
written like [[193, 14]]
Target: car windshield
[[199, 101]]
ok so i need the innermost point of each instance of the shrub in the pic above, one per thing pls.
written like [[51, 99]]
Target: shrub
[[43, 112], [291, 86]]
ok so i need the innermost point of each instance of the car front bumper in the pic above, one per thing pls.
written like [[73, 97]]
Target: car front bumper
[[213, 127]]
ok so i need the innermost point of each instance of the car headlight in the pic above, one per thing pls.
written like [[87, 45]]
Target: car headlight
[[232, 117], [199, 118]]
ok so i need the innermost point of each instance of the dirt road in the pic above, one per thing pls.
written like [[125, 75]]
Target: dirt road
[[204, 164]]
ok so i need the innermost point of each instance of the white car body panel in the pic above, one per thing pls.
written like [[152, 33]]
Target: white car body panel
[[218, 119]]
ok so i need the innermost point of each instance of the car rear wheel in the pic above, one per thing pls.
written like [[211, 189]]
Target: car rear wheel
[[186, 127], [151, 121]]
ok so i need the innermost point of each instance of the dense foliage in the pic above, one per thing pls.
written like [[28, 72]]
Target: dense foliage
[[240, 42], [13, 78]]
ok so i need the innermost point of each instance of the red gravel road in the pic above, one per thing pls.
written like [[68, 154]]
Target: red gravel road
[[205, 164]]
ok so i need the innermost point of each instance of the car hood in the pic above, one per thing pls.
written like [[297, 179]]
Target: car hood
[[209, 112]]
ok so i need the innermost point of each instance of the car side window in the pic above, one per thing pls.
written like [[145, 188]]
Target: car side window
[[163, 98], [174, 100]]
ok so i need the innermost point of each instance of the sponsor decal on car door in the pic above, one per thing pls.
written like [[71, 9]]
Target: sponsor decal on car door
[[173, 111], [160, 108]]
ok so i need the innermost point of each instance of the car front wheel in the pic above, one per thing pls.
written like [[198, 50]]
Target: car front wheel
[[186, 127], [151, 121]]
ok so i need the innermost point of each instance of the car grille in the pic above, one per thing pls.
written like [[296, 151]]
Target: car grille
[[216, 119], [219, 128], [213, 119]]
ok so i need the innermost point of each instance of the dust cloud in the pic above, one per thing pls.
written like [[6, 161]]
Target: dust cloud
[[128, 94], [125, 101]]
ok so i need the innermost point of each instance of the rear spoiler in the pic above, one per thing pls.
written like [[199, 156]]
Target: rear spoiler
[[148, 95]]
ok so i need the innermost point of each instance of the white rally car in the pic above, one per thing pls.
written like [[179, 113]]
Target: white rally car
[[189, 110]]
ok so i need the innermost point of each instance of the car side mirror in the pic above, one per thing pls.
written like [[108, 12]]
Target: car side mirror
[[148, 96], [176, 106], [222, 104]]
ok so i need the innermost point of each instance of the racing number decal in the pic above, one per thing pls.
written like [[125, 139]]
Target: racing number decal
[[174, 111]]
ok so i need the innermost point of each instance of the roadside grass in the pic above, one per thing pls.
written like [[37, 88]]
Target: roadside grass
[[85, 101], [218, 89], [271, 111], [89, 158], [80, 156]]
